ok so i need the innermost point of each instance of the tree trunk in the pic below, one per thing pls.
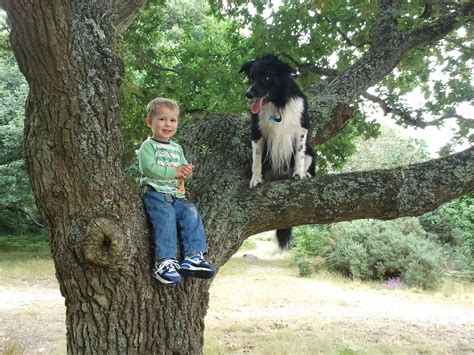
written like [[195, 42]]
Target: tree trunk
[[99, 236]]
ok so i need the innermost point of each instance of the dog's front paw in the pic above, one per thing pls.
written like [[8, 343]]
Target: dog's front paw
[[299, 176], [256, 180]]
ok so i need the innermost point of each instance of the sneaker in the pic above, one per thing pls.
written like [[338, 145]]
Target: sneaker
[[167, 272], [196, 266]]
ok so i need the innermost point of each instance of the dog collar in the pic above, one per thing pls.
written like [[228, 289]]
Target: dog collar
[[274, 117]]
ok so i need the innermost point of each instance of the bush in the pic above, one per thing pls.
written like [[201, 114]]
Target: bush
[[370, 249], [310, 247], [453, 223]]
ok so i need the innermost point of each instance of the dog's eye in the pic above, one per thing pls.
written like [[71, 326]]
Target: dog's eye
[[267, 78]]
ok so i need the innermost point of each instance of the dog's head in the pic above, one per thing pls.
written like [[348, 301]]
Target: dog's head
[[268, 77]]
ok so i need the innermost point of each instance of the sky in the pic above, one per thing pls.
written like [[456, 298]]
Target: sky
[[435, 137]]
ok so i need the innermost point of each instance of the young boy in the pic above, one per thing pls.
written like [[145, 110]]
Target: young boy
[[164, 168]]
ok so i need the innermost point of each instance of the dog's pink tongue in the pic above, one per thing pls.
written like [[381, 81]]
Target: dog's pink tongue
[[257, 105]]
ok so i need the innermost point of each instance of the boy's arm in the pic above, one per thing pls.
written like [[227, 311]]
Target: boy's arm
[[148, 166]]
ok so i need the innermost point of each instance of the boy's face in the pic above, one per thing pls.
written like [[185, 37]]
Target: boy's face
[[163, 124]]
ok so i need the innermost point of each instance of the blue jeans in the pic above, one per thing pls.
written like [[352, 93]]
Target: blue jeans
[[166, 217]]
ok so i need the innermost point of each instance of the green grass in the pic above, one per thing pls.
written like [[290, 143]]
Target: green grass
[[17, 246], [244, 315], [25, 258]]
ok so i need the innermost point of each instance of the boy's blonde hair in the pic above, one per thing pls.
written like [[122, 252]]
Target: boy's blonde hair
[[156, 104]]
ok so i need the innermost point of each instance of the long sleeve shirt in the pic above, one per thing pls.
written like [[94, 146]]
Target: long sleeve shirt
[[158, 162]]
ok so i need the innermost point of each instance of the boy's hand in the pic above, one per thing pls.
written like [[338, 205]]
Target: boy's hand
[[184, 171]]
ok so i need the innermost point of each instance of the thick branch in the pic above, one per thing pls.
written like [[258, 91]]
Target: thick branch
[[440, 27], [124, 11], [382, 194], [330, 107]]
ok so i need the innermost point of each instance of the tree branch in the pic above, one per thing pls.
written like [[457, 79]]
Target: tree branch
[[124, 11], [23, 211], [383, 194], [440, 27], [329, 106], [375, 99], [304, 68], [418, 121]]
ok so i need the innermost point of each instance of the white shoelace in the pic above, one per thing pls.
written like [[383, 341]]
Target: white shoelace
[[165, 265]]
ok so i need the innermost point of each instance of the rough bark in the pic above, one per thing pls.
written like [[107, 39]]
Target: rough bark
[[99, 237], [73, 144]]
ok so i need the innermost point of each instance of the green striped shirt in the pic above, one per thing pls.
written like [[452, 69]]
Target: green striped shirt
[[158, 162]]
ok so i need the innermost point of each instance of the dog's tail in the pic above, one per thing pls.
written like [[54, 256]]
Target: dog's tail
[[283, 237]]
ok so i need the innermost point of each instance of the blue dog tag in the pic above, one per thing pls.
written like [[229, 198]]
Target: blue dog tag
[[274, 117]]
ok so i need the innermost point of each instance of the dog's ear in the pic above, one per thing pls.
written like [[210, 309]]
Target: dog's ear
[[286, 68], [247, 67]]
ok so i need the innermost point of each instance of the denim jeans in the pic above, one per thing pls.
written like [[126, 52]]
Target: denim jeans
[[166, 217]]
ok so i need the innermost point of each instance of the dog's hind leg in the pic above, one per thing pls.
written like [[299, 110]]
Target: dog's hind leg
[[257, 155]]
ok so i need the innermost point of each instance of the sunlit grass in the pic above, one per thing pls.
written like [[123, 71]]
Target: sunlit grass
[[259, 305], [458, 291], [13, 347], [257, 337], [25, 259]]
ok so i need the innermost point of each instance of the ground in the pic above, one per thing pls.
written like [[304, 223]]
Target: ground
[[259, 304]]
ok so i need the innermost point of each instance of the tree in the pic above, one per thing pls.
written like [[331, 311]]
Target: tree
[[16, 199], [73, 147], [388, 150]]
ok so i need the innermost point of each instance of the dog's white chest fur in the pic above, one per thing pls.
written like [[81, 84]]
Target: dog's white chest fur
[[281, 136]]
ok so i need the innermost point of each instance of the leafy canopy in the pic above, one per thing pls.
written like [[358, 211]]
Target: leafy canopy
[[316, 35]]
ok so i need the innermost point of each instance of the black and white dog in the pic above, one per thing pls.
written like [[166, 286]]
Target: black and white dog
[[280, 124]]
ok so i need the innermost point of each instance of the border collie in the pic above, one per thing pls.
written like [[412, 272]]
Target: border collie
[[280, 124]]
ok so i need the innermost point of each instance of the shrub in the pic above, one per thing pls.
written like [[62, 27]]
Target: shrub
[[371, 249], [453, 223], [351, 258], [310, 247]]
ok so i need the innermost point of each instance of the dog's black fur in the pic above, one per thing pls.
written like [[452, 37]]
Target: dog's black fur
[[280, 125]]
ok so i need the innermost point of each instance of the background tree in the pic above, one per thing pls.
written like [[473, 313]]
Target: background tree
[[178, 49], [18, 213], [321, 38], [73, 148], [182, 50]]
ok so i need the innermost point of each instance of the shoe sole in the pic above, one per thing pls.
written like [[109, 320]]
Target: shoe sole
[[196, 272], [165, 281]]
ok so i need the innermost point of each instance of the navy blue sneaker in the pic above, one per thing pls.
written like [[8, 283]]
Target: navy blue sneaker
[[167, 271], [196, 266]]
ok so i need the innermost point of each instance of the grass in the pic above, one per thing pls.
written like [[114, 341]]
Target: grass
[[13, 347], [19, 255], [257, 305], [24, 247], [254, 310]]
